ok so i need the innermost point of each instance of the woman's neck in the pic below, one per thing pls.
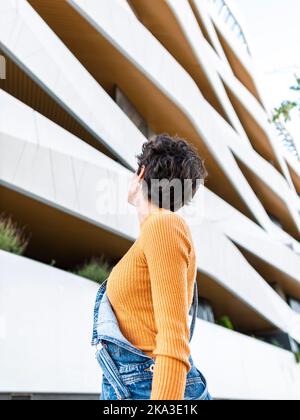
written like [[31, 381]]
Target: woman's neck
[[145, 208]]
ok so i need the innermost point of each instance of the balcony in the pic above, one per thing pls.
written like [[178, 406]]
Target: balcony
[[287, 140], [229, 18], [40, 324]]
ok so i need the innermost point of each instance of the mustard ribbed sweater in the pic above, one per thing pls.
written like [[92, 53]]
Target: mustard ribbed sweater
[[151, 290]]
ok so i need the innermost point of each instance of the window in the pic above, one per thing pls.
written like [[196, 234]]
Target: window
[[294, 304], [278, 289], [129, 109], [275, 220], [278, 339], [205, 311]]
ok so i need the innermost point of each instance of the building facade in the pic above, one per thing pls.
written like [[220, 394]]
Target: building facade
[[83, 84]]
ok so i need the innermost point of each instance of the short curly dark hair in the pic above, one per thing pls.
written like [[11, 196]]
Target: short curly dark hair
[[170, 163]]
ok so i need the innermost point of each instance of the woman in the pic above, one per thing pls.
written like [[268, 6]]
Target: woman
[[141, 313]]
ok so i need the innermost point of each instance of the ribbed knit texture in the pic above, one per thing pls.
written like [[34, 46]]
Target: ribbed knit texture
[[151, 290]]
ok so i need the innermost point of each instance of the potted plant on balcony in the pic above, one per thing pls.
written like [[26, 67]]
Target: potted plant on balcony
[[96, 269], [12, 237], [226, 322]]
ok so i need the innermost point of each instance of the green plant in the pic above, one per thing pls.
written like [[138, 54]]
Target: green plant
[[297, 356], [283, 111], [276, 343], [97, 269], [226, 322], [12, 238]]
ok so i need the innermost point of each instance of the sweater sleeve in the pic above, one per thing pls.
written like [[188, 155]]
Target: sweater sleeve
[[166, 247]]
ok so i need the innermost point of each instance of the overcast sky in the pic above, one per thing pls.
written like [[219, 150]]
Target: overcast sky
[[273, 30]]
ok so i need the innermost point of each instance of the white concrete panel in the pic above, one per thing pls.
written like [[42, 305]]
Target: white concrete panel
[[172, 79], [35, 171], [63, 170], [14, 111], [26, 38], [11, 153], [258, 114], [190, 27], [66, 191], [252, 237], [49, 331], [7, 20], [222, 261], [209, 60], [239, 367], [100, 196], [47, 323], [203, 9], [246, 60]]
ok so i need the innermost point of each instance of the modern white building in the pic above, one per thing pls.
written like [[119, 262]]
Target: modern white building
[[86, 83]]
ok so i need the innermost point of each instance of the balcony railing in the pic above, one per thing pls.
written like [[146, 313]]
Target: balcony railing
[[228, 17], [287, 139]]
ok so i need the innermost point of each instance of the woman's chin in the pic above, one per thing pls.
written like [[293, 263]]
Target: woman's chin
[[131, 201]]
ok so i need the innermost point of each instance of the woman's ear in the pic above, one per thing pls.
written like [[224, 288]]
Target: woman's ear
[[142, 173]]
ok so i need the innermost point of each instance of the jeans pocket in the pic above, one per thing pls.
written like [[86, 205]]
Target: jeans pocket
[[107, 391], [112, 348], [195, 389], [140, 389]]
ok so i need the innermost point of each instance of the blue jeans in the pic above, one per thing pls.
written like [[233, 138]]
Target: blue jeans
[[134, 377], [127, 370]]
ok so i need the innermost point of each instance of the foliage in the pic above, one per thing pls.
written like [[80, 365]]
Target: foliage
[[12, 238], [296, 87], [97, 269], [286, 107], [284, 110], [276, 343], [226, 322]]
